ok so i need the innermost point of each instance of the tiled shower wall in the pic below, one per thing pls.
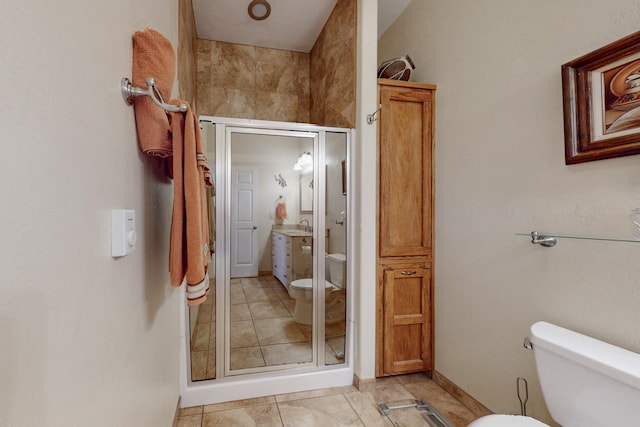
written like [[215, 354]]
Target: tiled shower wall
[[333, 69], [186, 53], [270, 84], [252, 82]]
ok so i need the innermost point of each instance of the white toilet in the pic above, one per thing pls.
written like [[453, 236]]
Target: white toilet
[[585, 382], [302, 291]]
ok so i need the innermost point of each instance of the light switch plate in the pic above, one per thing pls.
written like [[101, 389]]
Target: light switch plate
[[123, 232]]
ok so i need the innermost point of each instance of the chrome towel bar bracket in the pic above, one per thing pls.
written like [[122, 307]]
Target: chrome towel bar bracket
[[546, 241], [130, 92]]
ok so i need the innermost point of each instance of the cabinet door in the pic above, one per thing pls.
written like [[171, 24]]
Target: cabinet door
[[407, 343], [405, 227], [279, 259]]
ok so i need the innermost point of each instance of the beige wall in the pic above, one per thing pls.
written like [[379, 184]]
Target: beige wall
[[362, 212], [500, 170], [333, 69], [85, 339]]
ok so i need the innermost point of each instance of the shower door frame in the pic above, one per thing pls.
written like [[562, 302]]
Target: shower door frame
[[292, 379]]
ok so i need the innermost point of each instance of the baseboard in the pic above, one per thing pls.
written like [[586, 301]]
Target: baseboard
[[365, 385], [463, 397], [177, 414]]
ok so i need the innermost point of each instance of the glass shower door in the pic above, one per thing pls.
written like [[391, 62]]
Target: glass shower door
[[278, 298], [271, 274]]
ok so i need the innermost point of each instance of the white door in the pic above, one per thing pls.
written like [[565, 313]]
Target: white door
[[244, 227]]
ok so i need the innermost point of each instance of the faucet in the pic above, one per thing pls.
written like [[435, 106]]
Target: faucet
[[306, 227]]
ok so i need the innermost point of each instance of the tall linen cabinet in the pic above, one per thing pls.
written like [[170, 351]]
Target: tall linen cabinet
[[404, 292]]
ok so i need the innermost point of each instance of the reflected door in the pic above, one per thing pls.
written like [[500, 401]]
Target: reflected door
[[244, 241]]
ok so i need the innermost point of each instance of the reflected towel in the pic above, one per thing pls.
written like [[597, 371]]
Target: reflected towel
[[153, 56], [189, 243], [281, 210]]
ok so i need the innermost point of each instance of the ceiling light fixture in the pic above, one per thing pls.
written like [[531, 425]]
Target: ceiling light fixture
[[259, 9]]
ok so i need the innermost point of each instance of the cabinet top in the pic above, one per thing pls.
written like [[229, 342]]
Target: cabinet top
[[402, 83]]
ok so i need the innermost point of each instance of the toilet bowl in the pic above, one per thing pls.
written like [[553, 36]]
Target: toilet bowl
[[302, 291], [507, 421], [335, 296]]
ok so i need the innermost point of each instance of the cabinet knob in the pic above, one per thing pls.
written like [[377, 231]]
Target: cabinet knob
[[408, 273]]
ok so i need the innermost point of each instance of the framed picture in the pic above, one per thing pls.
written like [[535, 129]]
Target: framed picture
[[601, 95]]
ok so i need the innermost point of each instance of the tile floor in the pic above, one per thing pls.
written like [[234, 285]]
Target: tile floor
[[342, 406], [263, 332]]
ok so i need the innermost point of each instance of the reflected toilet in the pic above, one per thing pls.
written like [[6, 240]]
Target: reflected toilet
[[335, 302], [302, 291]]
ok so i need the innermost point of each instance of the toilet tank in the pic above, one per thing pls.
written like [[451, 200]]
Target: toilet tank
[[586, 382], [337, 268]]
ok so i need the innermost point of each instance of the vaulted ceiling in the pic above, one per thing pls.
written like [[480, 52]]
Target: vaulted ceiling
[[292, 25]]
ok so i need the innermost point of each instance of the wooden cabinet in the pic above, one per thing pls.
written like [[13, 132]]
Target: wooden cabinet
[[291, 257], [406, 324], [404, 330]]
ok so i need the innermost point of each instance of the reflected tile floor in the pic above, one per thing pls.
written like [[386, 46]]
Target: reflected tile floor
[[340, 406], [263, 332]]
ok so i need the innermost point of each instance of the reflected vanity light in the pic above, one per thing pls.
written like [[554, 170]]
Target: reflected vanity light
[[304, 162]]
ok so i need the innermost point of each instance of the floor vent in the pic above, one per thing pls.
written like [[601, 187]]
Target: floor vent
[[428, 412]]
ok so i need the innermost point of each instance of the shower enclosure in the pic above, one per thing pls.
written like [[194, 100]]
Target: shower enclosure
[[276, 319]]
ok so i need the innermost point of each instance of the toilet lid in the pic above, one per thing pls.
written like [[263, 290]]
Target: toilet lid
[[507, 421], [305, 284]]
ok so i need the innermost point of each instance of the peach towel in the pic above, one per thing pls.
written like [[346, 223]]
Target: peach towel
[[153, 56], [281, 210], [189, 243]]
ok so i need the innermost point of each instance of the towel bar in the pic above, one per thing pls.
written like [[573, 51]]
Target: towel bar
[[130, 92]]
